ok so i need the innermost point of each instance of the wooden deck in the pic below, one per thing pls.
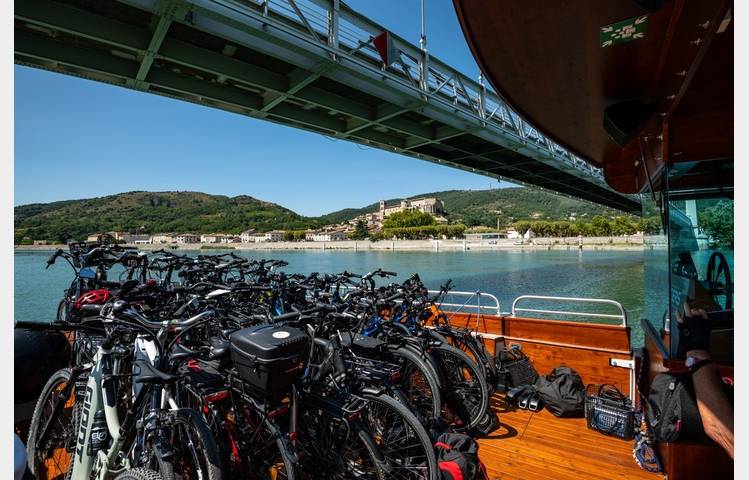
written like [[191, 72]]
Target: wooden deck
[[529, 446]]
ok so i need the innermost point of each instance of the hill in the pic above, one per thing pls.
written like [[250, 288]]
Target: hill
[[152, 212], [483, 207]]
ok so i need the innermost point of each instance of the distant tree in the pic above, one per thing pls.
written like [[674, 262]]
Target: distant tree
[[522, 226], [717, 221], [407, 218], [601, 226], [360, 232], [649, 225]]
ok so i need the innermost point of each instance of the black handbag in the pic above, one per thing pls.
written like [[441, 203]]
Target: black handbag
[[608, 411], [514, 368]]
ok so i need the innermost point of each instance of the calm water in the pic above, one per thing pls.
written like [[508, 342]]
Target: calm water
[[617, 275]]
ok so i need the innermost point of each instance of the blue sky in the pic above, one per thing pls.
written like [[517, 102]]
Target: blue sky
[[78, 139]]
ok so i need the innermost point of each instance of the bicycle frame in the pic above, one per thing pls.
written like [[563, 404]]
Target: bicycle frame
[[99, 397]]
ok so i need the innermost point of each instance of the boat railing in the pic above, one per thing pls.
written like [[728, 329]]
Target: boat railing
[[478, 302], [582, 314]]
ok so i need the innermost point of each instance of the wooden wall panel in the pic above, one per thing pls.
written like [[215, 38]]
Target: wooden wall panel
[[587, 348]]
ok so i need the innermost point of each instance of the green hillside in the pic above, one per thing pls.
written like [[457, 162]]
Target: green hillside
[[152, 212], [483, 207]]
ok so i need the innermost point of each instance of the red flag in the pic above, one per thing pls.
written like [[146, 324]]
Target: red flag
[[386, 48]]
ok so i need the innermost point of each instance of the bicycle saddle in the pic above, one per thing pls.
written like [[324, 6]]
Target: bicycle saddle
[[146, 374], [219, 348], [180, 352], [360, 341]]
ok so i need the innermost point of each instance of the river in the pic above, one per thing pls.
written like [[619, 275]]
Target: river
[[616, 275]]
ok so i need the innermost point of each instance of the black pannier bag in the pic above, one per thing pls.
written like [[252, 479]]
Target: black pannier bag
[[608, 411], [270, 358], [672, 409], [514, 368], [563, 392]]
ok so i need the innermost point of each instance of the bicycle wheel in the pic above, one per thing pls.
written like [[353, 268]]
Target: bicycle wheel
[[333, 447], [267, 456], [195, 455], [401, 439], [466, 394], [419, 383], [476, 351], [52, 458]]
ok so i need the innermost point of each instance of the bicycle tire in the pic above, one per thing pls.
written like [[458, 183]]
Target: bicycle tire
[[57, 463], [402, 439], [202, 452], [139, 474], [419, 383], [461, 412]]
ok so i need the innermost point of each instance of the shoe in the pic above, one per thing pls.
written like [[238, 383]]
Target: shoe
[[534, 403], [514, 394], [525, 398]]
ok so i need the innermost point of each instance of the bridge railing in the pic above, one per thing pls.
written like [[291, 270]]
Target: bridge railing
[[335, 25]]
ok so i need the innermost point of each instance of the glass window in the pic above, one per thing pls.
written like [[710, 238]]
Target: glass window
[[700, 258]]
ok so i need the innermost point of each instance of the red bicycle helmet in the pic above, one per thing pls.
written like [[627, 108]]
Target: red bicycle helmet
[[94, 297]]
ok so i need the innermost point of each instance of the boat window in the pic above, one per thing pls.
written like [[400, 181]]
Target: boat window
[[655, 258], [700, 256]]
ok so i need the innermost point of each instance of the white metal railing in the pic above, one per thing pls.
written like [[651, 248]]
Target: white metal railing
[[622, 315], [473, 301], [337, 28]]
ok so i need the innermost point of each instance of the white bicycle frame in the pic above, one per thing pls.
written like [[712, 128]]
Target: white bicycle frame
[[97, 399]]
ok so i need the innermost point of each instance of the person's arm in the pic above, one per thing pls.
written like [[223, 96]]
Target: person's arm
[[715, 409]]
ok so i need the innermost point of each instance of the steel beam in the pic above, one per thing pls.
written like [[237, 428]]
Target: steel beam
[[167, 10]]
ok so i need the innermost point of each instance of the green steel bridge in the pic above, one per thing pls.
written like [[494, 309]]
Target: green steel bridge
[[311, 64]]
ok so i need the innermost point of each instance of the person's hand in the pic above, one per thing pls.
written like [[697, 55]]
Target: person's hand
[[694, 332]]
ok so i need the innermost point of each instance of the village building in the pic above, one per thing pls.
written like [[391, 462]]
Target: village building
[[187, 238], [513, 234], [230, 239], [432, 206], [274, 236], [248, 236], [163, 238], [211, 237], [326, 236]]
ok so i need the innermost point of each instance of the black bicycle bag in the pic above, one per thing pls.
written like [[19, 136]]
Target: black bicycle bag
[[672, 409], [270, 358], [563, 392]]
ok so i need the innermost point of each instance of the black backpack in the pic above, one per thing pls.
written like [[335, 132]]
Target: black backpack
[[672, 409], [458, 457], [563, 392]]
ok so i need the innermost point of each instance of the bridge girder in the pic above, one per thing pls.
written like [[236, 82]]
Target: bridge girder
[[316, 86]]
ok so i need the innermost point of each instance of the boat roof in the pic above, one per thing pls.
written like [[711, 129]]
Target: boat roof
[[562, 64]]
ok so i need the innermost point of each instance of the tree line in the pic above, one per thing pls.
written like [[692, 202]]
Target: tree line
[[598, 226]]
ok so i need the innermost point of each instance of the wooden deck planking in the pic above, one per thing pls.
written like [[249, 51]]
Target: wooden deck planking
[[532, 446]]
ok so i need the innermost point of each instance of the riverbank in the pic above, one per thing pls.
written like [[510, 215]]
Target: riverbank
[[571, 243]]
